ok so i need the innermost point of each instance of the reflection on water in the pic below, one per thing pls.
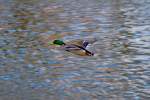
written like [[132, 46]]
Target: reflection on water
[[30, 70]]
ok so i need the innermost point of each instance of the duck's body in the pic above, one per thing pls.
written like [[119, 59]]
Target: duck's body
[[75, 47], [79, 50]]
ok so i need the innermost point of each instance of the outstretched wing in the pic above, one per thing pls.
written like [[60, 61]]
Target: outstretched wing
[[84, 44], [71, 48], [79, 42]]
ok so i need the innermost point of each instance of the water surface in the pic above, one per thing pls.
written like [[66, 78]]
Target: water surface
[[119, 70]]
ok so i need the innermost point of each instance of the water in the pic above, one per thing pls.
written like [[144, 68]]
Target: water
[[120, 69]]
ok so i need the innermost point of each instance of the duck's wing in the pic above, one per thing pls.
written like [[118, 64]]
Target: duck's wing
[[71, 47], [79, 42], [88, 41], [84, 44], [78, 50]]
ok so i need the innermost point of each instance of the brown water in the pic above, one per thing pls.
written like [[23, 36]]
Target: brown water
[[119, 70]]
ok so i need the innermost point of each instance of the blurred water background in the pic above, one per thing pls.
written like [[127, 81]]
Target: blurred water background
[[120, 69]]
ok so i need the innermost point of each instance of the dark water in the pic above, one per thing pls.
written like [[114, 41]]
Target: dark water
[[120, 69]]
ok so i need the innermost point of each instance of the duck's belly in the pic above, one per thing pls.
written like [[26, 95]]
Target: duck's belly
[[79, 52]]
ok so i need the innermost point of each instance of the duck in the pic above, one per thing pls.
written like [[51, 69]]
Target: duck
[[77, 47]]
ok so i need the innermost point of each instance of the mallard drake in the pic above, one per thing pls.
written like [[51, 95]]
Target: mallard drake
[[76, 47]]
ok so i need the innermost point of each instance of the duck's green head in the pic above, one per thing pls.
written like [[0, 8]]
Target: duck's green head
[[58, 42]]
